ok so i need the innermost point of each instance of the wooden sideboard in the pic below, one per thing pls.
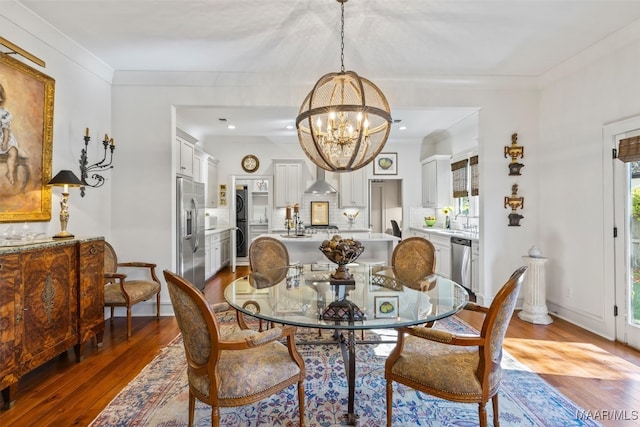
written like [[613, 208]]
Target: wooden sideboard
[[51, 298]]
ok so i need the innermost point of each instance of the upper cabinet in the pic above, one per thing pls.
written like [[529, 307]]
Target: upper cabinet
[[212, 183], [184, 159], [186, 162], [436, 181], [353, 189], [287, 182]]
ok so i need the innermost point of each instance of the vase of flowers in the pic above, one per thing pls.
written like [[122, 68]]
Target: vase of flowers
[[447, 210]]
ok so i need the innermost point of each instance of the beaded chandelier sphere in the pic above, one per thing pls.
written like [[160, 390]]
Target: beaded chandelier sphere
[[344, 121]]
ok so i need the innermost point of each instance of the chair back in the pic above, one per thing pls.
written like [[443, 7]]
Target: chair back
[[197, 323], [110, 259], [413, 260], [496, 322], [396, 228], [267, 253]]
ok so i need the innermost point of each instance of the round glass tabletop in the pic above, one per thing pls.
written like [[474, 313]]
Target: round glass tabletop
[[306, 296]]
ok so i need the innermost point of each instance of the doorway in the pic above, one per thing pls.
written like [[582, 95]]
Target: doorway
[[385, 204], [626, 219]]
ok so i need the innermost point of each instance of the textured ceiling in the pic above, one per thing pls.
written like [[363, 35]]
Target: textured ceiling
[[383, 38]]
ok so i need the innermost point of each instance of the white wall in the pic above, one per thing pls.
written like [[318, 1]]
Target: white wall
[[138, 213], [577, 100], [82, 100]]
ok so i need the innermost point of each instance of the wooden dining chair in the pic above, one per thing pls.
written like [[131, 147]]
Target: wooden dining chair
[[235, 369], [453, 367], [120, 291], [412, 261]]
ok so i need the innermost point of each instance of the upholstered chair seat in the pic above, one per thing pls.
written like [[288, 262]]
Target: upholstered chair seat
[[460, 368], [232, 368], [120, 291]]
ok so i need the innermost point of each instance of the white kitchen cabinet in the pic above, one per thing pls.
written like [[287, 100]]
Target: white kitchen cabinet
[[436, 181], [185, 157], [218, 252], [353, 189], [207, 257], [198, 169], [442, 244], [475, 267], [225, 248], [288, 182], [212, 183]]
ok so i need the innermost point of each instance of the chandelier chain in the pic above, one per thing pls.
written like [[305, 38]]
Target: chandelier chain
[[342, 37]]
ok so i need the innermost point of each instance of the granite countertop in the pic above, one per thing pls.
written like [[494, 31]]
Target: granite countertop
[[448, 232], [218, 229], [319, 237]]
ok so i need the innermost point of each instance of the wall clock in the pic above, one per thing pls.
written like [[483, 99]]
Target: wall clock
[[250, 163]]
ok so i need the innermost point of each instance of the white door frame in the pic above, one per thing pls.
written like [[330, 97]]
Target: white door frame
[[616, 254]]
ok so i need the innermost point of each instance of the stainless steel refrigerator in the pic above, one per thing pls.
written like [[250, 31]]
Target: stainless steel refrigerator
[[190, 230]]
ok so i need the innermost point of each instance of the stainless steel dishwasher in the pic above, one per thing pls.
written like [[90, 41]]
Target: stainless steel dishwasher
[[461, 261]]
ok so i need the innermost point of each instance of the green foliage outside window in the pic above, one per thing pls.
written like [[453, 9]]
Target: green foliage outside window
[[635, 203]]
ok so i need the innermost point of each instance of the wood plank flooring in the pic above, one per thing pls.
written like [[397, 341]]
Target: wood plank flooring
[[597, 374]]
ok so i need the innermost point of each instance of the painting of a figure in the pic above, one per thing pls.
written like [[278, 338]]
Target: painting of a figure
[[26, 135]]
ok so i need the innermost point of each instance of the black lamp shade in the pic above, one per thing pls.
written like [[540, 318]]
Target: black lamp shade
[[65, 177]]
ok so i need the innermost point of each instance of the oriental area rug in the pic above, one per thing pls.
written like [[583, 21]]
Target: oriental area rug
[[158, 396]]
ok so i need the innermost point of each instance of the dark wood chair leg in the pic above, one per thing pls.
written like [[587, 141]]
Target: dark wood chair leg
[[496, 413]]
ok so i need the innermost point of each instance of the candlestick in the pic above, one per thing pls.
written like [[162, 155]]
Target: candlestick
[[296, 208], [288, 215]]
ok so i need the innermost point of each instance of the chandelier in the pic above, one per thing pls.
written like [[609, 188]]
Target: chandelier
[[344, 121]]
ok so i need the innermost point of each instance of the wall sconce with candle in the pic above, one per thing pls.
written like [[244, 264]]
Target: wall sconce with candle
[[65, 179], [100, 166]]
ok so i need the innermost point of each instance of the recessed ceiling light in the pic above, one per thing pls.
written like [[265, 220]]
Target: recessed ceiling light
[[289, 127], [402, 128], [231, 127]]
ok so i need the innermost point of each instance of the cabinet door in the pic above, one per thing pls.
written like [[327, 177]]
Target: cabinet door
[[442, 245], [475, 267], [288, 177], [186, 152], [429, 185], [353, 189], [10, 319], [212, 184], [208, 272], [91, 289], [49, 278], [198, 175]]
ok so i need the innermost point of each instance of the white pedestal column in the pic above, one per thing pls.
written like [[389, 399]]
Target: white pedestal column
[[535, 304]]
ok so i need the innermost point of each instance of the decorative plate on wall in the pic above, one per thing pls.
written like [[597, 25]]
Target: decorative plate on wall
[[250, 163]]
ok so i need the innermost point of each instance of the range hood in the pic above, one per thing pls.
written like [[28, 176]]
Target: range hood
[[320, 186]]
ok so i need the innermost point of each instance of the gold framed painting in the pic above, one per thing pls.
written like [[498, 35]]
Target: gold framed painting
[[319, 213], [26, 141]]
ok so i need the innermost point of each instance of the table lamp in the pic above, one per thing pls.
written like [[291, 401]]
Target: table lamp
[[65, 179]]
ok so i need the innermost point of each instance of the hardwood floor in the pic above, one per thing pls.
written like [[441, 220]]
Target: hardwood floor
[[599, 375]]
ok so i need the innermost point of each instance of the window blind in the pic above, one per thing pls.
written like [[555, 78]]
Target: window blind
[[459, 174], [475, 176], [629, 149]]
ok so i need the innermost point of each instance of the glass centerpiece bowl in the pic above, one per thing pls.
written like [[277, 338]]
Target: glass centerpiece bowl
[[342, 252]]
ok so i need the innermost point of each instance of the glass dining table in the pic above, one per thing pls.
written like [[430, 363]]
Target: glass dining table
[[306, 296]]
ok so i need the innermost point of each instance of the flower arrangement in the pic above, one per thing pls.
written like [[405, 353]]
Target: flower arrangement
[[447, 210]]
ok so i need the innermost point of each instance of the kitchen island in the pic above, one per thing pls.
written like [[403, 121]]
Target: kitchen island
[[378, 247]]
